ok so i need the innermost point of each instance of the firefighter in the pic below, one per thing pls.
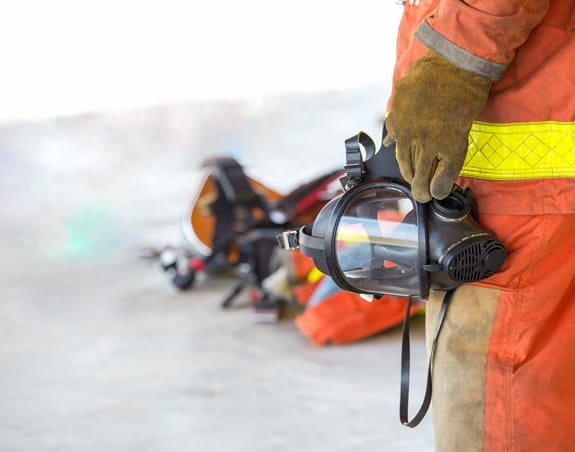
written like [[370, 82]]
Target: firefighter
[[484, 96]]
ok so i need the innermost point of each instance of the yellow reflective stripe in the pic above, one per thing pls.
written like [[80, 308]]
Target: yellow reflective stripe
[[527, 150]]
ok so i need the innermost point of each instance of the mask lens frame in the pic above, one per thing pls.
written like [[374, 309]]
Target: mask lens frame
[[331, 239]]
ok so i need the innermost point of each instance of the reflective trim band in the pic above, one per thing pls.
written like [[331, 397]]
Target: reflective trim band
[[528, 150], [457, 55]]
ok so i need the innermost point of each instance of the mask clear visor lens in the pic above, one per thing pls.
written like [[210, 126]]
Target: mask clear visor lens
[[377, 243]]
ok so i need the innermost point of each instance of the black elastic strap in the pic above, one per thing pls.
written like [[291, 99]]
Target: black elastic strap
[[404, 394]]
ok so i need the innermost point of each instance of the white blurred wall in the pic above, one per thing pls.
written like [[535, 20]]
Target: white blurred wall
[[107, 108], [64, 56]]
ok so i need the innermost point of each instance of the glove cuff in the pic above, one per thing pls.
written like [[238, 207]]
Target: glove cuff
[[458, 56]]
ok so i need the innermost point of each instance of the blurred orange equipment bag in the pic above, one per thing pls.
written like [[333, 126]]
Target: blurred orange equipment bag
[[345, 317]]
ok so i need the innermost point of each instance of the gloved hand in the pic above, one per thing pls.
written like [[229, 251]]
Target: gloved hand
[[431, 114]]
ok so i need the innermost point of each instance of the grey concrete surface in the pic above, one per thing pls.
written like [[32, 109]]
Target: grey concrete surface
[[99, 353], [110, 357]]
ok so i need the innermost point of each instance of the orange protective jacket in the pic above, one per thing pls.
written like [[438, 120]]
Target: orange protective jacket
[[526, 46], [521, 168]]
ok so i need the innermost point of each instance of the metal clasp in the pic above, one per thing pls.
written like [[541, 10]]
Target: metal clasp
[[288, 240]]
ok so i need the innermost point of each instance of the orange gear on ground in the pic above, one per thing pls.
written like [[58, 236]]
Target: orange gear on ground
[[303, 292], [345, 317], [302, 265]]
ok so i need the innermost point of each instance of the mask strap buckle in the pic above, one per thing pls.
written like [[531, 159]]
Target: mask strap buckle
[[288, 240]]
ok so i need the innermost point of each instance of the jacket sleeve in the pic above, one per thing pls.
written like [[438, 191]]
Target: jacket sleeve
[[481, 36]]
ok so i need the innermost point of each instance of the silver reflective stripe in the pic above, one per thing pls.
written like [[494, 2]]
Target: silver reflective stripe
[[458, 56]]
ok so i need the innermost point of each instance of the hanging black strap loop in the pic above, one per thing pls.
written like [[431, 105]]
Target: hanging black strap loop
[[405, 359]]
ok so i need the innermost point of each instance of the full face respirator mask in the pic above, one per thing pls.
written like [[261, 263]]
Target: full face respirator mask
[[375, 239]]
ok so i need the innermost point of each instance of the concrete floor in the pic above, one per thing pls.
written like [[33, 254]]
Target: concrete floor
[[99, 353], [108, 357]]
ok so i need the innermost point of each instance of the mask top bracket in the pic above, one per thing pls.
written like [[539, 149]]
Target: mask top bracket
[[380, 164]]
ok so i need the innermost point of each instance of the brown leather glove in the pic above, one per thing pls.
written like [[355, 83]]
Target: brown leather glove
[[431, 114]]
